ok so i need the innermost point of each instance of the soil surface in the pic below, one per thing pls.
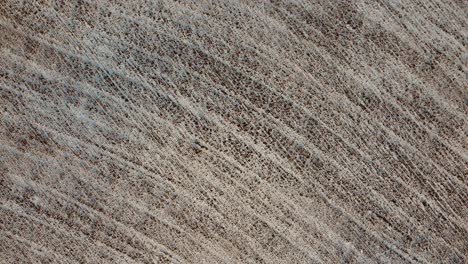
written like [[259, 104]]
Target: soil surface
[[234, 131]]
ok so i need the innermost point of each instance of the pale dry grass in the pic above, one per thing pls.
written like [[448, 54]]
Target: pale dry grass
[[233, 131]]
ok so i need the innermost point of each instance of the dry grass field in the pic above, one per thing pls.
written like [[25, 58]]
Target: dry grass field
[[234, 131]]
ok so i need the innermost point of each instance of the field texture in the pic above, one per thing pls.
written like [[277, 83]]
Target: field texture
[[234, 131]]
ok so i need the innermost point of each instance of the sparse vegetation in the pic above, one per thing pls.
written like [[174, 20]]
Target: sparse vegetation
[[233, 131]]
